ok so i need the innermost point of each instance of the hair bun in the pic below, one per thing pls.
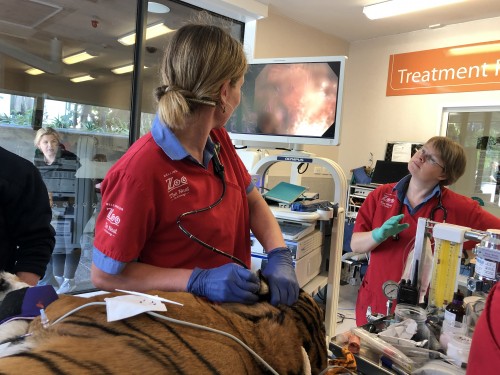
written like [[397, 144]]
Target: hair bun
[[160, 91]]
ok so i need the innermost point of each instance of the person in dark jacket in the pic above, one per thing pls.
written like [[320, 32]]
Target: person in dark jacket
[[26, 237], [58, 168]]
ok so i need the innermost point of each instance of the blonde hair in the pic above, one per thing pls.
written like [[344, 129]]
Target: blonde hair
[[452, 155], [46, 131], [196, 62]]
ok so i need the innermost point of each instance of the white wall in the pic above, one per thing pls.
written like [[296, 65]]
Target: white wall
[[371, 119], [278, 36]]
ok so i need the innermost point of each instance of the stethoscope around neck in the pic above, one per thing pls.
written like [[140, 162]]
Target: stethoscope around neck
[[219, 171], [438, 207]]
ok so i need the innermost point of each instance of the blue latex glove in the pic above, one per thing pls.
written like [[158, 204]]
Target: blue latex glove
[[227, 283], [390, 228], [280, 275]]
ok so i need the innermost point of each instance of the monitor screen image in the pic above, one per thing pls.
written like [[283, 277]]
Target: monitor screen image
[[290, 102]]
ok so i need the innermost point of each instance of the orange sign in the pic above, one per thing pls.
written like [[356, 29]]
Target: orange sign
[[471, 67]]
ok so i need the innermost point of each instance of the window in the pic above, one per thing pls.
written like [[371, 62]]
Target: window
[[88, 102], [478, 131]]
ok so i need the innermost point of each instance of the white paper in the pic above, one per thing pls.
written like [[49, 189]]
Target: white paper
[[401, 152], [123, 307], [161, 299], [405, 329]]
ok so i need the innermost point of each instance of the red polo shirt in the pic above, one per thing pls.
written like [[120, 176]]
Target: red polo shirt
[[484, 356], [146, 191], [387, 260]]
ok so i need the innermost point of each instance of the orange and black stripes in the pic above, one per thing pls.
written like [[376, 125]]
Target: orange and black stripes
[[86, 343]]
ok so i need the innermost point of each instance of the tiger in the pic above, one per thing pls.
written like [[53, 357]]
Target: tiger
[[9, 283], [286, 339]]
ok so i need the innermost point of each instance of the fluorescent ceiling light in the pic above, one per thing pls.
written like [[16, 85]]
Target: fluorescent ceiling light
[[151, 32], [396, 7], [435, 26], [469, 50], [34, 71], [79, 57], [124, 69], [88, 77]]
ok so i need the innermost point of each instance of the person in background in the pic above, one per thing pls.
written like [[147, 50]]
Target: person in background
[[58, 167], [26, 236], [178, 207], [387, 221]]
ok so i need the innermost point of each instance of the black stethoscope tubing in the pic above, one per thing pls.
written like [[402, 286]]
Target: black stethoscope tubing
[[438, 207], [219, 171]]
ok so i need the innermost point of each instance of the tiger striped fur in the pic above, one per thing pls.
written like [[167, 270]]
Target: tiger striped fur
[[85, 343]]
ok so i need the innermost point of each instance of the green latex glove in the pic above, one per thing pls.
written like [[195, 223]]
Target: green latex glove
[[390, 228]]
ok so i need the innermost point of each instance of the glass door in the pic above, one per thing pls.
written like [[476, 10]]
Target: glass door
[[69, 66], [478, 130]]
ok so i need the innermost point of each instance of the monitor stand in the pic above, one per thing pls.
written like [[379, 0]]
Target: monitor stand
[[330, 275]]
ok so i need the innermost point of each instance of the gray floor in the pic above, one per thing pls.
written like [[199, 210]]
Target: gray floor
[[83, 273], [346, 306]]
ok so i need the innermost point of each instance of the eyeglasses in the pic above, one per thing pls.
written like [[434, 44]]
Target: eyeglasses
[[428, 158]]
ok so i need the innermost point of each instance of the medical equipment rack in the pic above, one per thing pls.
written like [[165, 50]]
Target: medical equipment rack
[[330, 275]]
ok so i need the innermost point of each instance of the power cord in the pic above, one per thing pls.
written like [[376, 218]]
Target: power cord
[[302, 168], [193, 325], [46, 324], [342, 317], [75, 310]]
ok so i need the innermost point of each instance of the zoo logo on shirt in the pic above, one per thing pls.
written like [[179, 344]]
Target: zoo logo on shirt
[[112, 219], [388, 200], [176, 187]]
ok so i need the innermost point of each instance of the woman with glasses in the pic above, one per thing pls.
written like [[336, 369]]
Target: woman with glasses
[[386, 223]]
